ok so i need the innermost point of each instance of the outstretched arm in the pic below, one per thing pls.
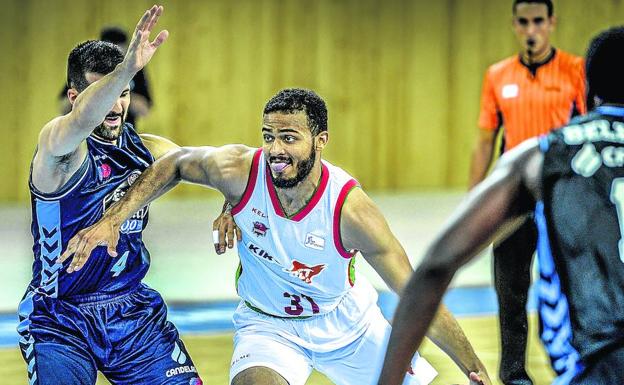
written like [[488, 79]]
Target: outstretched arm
[[492, 207], [224, 168], [64, 134], [365, 229]]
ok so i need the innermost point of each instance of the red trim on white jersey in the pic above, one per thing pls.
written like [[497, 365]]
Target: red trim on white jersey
[[311, 203], [346, 189], [251, 183]]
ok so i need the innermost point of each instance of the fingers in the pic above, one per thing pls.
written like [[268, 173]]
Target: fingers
[[161, 38], [156, 11], [82, 244], [224, 230], [81, 255], [229, 230], [112, 245], [215, 238], [143, 22], [475, 379], [70, 250], [222, 234]]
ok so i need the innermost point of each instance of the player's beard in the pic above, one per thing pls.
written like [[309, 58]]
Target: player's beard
[[110, 133], [304, 167]]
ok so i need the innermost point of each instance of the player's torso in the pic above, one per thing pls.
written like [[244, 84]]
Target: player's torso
[[103, 178], [292, 267], [583, 179], [532, 105]]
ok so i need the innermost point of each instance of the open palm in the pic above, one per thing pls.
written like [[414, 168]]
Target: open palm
[[140, 49]]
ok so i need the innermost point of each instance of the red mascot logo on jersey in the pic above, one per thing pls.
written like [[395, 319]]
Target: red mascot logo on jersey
[[259, 229], [305, 272]]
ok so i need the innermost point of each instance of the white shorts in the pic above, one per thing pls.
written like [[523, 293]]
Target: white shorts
[[293, 347]]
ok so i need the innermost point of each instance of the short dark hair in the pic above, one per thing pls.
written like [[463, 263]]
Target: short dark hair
[[293, 100], [603, 70], [113, 34], [547, 3], [91, 56]]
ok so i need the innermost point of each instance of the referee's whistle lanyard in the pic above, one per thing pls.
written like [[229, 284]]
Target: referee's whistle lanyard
[[611, 110]]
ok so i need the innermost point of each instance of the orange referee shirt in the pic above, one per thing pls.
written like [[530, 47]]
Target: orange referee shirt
[[530, 102]]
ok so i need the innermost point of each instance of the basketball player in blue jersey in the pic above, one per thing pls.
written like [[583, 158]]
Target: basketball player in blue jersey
[[302, 221], [101, 318], [573, 179]]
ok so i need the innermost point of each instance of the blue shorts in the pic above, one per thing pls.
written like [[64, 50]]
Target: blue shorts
[[125, 336]]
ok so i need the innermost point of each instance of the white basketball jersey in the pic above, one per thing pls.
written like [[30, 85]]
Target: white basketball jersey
[[297, 266]]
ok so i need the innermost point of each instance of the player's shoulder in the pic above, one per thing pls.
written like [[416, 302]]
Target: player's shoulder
[[503, 65], [337, 174], [571, 61], [233, 157], [570, 57]]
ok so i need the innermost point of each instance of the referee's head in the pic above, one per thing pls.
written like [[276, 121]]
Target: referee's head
[[605, 78]]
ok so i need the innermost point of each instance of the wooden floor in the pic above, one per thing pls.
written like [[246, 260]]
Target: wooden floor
[[212, 356]]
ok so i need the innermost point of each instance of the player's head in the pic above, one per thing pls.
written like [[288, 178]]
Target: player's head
[[115, 35], [294, 130], [605, 79], [87, 63], [533, 22]]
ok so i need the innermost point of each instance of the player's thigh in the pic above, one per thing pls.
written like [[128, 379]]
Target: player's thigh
[[52, 363], [267, 358], [53, 344], [259, 375], [148, 349], [360, 362]]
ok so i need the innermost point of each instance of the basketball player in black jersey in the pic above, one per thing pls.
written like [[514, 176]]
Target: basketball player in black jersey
[[573, 179]]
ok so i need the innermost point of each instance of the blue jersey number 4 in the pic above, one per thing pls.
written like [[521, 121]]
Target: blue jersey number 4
[[121, 264]]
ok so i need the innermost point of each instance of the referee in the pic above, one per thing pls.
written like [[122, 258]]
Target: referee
[[526, 95]]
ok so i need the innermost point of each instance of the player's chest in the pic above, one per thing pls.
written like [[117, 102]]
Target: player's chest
[[528, 91], [304, 248]]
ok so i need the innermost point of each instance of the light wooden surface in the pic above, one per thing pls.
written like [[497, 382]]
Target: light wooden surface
[[212, 354], [402, 78]]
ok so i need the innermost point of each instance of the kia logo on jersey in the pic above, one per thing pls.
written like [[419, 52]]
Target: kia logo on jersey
[[259, 229], [304, 272]]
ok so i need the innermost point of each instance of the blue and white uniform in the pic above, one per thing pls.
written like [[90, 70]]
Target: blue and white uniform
[[101, 317], [303, 306]]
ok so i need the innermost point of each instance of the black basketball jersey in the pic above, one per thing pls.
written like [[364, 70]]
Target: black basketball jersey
[[580, 247]]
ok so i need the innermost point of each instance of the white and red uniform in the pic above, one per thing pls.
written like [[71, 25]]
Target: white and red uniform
[[302, 305]]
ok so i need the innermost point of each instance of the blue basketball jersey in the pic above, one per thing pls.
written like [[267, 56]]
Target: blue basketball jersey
[[103, 178]]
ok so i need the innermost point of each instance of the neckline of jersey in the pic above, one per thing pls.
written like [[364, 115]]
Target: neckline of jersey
[[310, 204], [535, 66]]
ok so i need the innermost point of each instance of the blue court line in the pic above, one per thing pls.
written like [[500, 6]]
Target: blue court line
[[216, 317]]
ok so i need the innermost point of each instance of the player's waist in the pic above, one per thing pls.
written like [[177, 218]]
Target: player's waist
[[260, 311], [98, 297]]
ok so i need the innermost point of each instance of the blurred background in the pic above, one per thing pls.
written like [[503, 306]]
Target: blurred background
[[401, 79]]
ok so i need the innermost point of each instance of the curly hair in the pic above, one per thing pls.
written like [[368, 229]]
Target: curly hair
[[293, 100]]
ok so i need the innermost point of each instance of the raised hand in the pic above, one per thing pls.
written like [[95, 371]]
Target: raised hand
[[103, 233], [140, 50]]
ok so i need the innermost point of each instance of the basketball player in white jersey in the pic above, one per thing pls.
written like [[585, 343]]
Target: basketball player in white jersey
[[302, 221]]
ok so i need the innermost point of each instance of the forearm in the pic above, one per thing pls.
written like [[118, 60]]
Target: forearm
[[446, 333], [156, 180], [414, 314], [481, 159], [92, 104]]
